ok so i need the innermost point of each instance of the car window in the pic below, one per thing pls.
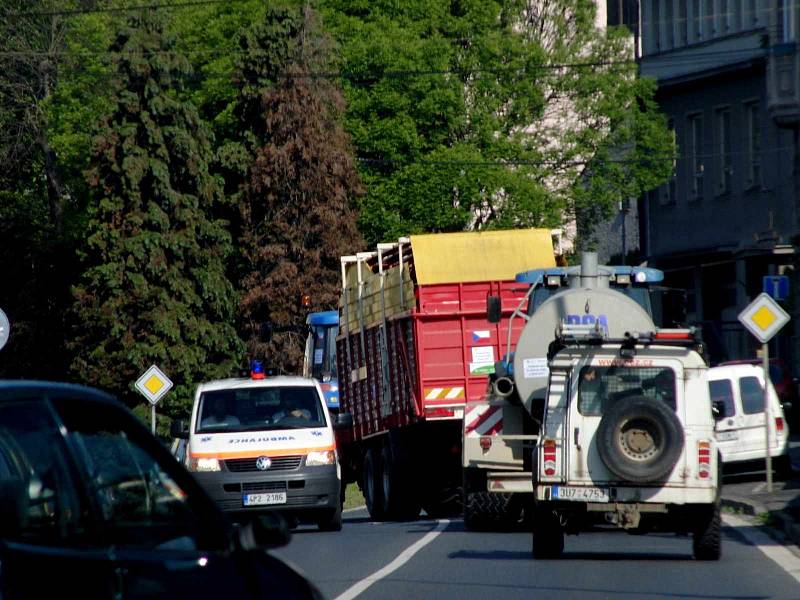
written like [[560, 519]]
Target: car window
[[250, 409], [752, 394], [40, 499], [721, 391], [600, 387], [141, 504]]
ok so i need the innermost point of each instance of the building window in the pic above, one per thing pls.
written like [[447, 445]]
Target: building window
[[669, 25], [668, 190], [726, 16], [787, 16], [724, 162], [697, 18], [683, 24], [709, 28], [696, 167], [753, 133]]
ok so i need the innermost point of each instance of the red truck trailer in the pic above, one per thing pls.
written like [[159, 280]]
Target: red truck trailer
[[414, 345]]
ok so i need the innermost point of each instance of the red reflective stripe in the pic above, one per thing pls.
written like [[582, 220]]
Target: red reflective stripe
[[473, 425]]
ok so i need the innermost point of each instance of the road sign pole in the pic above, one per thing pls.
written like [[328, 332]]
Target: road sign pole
[[767, 412], [153, 415]]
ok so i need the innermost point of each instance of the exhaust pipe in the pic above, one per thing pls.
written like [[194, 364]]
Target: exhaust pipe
[[504, 387]]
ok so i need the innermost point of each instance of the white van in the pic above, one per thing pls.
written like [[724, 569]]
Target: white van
[[737, 392], [267, 443]]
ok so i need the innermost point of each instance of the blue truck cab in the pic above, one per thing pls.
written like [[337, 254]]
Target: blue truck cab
[[320, 355]]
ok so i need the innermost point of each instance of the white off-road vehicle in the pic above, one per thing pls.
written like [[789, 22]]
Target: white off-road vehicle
[[627, 440]]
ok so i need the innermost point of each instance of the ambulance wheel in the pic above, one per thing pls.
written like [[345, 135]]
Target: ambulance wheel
[[333, 522], [399, 502], [372, 486]]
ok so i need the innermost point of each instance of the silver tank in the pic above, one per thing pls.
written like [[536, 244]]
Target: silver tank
[[589, 302]]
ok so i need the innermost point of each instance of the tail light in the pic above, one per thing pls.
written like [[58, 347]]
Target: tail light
[[549, 455], [439, 413], [779, 425], [486, 442], [704, 459]]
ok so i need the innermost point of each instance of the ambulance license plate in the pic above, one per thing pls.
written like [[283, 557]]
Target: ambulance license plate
[[584, 494], [264, 499]]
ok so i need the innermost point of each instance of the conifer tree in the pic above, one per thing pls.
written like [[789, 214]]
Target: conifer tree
[[296, 212], [154, 288]]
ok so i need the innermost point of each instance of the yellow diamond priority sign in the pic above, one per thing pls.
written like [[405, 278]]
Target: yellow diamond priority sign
[[153, 384], [763, 317]]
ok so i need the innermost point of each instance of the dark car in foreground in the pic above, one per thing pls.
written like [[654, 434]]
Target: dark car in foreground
[[93, 506]]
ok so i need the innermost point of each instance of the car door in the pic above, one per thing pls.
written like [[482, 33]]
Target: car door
[[165, 539], [49, 546], [752, 418]]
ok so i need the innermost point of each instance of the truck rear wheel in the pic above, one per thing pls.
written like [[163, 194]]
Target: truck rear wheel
[[372, 486], [397, 490], [488, 511]]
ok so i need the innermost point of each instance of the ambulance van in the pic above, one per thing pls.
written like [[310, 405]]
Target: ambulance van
[[267, 444]]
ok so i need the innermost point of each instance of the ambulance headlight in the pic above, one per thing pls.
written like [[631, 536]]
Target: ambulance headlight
[[327, 457], [204, 464]]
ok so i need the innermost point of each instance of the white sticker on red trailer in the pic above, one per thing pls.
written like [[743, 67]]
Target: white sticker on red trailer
[[448, 393], [483, 420]]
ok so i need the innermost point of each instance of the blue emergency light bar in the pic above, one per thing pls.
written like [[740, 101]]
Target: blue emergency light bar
[[633, 275], [328, 317]]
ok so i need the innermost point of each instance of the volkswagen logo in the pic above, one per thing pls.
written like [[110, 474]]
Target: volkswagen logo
[[263, 463]]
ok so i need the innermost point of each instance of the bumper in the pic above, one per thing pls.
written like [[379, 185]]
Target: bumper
[[311, 492]]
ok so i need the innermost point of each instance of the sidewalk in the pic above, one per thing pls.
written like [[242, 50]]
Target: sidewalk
[[747, 493]]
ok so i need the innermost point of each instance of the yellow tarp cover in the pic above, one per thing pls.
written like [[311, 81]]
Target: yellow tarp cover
[[480, 255]]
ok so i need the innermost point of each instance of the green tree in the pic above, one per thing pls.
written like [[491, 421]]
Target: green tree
[[296, 209], [473, 114], [154, 288]]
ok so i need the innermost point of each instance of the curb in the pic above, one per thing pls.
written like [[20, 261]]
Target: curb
[[779, 521]]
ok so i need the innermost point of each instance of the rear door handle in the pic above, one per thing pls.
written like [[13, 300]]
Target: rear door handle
[[576, 434]]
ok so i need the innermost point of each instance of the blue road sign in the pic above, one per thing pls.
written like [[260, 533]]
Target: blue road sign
[[777, 286]]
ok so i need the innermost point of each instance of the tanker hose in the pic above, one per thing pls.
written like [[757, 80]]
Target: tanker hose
[[504, 387]]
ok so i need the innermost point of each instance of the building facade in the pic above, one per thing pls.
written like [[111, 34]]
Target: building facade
[[728, 79]]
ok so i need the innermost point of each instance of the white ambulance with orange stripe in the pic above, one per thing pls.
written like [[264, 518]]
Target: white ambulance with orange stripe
[[267, 443]]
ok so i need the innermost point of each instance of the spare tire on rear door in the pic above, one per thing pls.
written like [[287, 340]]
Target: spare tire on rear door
[[640, 439]]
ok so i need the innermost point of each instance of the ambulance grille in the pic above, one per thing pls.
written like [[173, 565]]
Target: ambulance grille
[[279, 463]]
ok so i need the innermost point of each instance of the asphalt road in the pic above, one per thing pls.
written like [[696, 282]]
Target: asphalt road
[[439, 560]]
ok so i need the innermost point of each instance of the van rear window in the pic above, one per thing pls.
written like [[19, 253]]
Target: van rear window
[[752, 394], [599, 387], [721, 391]]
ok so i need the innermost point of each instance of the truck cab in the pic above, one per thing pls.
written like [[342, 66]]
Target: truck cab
[[319, 360], [627, 439]]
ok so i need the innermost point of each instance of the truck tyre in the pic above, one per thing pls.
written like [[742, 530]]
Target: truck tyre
[[488, 511], [397, 491], [706, 537], [548, 535], [332, 522], [640, 439], [372, 486]]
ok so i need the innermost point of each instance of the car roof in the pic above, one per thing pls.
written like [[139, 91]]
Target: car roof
[[239, 383], [11, 389], [735, 370]]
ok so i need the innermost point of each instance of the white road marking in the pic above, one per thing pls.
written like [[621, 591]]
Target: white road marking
[[771, 549], [354, 509], [398, 562]]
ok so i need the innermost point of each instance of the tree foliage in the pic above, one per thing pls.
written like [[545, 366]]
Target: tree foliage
[[469, 114], [296, 214], [154, 288]]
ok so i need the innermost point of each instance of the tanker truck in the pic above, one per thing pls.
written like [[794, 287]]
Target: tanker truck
[[501, 427]]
